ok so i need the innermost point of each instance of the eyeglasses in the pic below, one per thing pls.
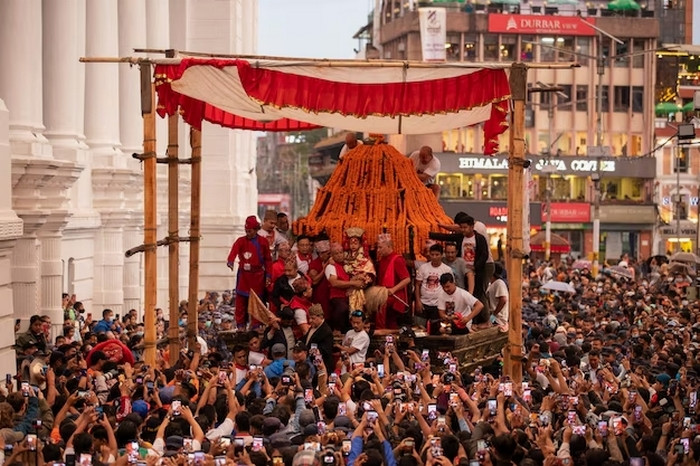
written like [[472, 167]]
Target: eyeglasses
[[357, 314]]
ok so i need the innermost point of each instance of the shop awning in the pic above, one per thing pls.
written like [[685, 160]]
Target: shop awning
[[372, 96]]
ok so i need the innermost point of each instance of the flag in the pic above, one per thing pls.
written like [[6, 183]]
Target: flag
[[257, 309]]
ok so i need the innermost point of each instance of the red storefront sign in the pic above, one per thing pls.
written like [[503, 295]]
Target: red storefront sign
[[540, 24], [568, 212]]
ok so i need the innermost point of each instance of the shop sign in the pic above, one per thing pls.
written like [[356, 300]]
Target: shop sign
[[685, 231], [553, 165], [693, 200], [539, 24], [628, 213], [569, 212]]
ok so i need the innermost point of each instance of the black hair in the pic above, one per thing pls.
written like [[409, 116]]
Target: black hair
[[446, 278], [436, 247]]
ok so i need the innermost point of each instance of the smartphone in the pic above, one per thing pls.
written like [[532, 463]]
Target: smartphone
[[85, 459], [372, 416], [380, 370], [321, 427], [571, 417], [432, 411], [308, 396], [636, 461], [603, 428], [686, 445], [454, 399], [527, 396], [100, 413], [481, 445], [638, 414], [686, 423], [132, 451], [199, 457], [221, 460], [238, 445], [425, 355], [452, 368], [149, 385], [31, 442], [389, 338], [222, 377], [342, 409], [346, 446], [508, 389], [633, 396], [617, 425], [474, 463], [225, 442], [257, 444], [8, 379], [277, 461], [139, 380], [83, 393], [493, 406], [175, 405], [25, 388]]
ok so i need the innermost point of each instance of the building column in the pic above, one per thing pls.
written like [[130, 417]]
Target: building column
[[21, 76], [133, 236], [11, 228], [25, 269], [51, 270]]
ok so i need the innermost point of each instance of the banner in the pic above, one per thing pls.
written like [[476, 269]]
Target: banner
[[433, 33]]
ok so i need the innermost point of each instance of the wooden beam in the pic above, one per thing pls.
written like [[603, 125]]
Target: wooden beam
[[149, 215], [195, 207], [516, 200], [173, 234]]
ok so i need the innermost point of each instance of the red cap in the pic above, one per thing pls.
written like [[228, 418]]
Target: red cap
[[251, 223]]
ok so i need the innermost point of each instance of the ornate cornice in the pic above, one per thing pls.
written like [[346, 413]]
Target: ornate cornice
[[42, 183], [11, 227]]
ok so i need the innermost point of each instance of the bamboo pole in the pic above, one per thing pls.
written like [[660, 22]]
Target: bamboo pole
[[324, 62], [516, 200], [148, 111], [192, 300], [173, 234]]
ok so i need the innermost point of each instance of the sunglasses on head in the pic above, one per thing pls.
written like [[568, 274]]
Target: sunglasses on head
[[357, 314]]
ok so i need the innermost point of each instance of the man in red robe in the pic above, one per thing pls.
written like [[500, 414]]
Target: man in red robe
[[339, 283], [254, 267], [321, 294], [393, 275]]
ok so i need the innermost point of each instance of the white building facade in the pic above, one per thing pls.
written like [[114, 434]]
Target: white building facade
[[70, 190]]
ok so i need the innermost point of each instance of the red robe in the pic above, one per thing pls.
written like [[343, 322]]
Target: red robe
[[322, 290], [392, 269], [254, 264]]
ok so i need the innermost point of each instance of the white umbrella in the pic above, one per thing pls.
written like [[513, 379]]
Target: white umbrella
[[620, 271], [558, 286], [687, 257]]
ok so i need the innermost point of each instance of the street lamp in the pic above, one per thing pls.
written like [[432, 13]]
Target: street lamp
[[595, 177], [549, 168]]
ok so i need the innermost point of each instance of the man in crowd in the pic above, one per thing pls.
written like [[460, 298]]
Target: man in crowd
[[427, 167], [394, 276], [340, 282], [351, 142], [427, 287], [456, 306], [254, 267]]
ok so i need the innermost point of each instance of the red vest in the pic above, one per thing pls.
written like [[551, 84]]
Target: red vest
[[342, 275]]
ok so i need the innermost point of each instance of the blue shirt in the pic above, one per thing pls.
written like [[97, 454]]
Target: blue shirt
[[102, 326], [276, 367]]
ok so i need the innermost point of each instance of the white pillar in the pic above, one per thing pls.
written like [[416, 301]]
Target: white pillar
[[132, 35], [25, 270], [10, 230], [51, 271], [102, 85], [109, 264], [21, 75]]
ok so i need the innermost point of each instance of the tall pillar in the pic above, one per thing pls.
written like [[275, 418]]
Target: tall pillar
[[10, 230], [102, 85], [25, 270], [51, 270], [21, 75], [132, 13], [158, 37]]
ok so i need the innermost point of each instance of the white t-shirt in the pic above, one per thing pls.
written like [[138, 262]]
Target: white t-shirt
[[469, 251], [357, 340], [330, 271], [429, 277], [495, 290], [255, 358], [345, 149], [431, 169], [461, 302]]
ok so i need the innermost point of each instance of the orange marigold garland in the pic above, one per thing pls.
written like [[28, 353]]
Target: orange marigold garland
[[376, 188]]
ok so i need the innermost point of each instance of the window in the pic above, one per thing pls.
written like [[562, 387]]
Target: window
[[621, 51], [583, 48], [638, 58], [470, 47], [582, 97], [566, 47], [637, 99], [499, 187], [605, 104], [621, 98], [547, 49], [452, 47], [527, 52], [508, 45], [682, 160], [490, 47], [450, 185], [561, 100]]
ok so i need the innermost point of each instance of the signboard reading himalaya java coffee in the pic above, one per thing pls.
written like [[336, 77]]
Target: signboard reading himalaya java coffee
[[540, 24]]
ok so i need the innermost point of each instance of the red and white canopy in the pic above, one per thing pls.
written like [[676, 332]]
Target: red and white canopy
[[291, 95]]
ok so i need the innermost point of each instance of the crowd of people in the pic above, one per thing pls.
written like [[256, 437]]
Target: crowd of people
[[610, 371]]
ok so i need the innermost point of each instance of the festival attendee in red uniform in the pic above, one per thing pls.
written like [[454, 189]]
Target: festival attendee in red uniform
[[393, 274], [303, 256], [321, 294], [340, 283], [254, 267]]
